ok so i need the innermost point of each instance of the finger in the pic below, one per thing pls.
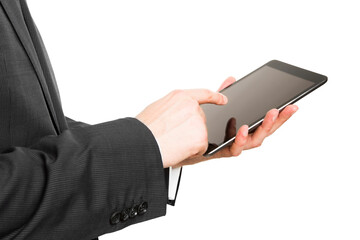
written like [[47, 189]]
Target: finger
[[202, 114], [236, 147], [240, 141], [226, 83], [207, 96], [284, 115], [263, 130], [230, 130]]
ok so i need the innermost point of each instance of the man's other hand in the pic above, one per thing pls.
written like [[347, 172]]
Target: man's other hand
[[243, 141]]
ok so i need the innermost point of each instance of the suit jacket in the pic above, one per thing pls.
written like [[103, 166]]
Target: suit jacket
[[59, 178]]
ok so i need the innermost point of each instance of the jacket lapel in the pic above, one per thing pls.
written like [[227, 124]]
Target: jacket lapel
[[15, 15]]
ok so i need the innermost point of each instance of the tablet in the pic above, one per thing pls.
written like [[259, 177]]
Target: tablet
[[274, 85]]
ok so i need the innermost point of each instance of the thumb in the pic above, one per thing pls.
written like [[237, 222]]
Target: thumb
[[226, 83]]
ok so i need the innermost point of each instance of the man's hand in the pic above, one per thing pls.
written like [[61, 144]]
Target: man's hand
[[243, 141], [178, 123]]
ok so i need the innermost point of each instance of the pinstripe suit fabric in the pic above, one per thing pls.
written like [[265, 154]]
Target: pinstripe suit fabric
[[59, 178]]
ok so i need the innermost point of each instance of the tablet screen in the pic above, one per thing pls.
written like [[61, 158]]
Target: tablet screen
[[250, 98]]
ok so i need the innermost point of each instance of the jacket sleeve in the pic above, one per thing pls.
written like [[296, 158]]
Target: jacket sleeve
[[172, 181], [73, 123], [83, 183]]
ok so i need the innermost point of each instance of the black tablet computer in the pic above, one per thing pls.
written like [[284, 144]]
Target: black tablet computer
[[274, 85]]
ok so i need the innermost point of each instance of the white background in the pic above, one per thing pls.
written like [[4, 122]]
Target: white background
[[112, 58]]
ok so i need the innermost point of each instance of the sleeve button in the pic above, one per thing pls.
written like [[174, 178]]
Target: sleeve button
[[115, 218], [132, 212], [124, 215], [142, 208]]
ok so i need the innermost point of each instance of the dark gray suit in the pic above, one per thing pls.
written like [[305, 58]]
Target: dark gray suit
[[62, 179]]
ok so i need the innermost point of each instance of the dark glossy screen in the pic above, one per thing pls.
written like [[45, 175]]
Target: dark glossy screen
[[249, 100]]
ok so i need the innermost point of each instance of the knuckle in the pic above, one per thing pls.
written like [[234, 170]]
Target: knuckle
[[267, 128], [239, 142], [203, 117], [203, 147], [235, 152], [201, 137], [204, 136], [209, 94], [257, 144], [200, 111], [192, 105], [177, 92]]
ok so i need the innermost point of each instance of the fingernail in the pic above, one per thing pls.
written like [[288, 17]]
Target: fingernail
[[275, 116], [245, 131], [225, 99]]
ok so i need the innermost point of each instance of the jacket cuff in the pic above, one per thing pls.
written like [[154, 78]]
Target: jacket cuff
[[136, 186]]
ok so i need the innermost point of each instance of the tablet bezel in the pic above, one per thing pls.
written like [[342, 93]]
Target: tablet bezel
[[316, 78]]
